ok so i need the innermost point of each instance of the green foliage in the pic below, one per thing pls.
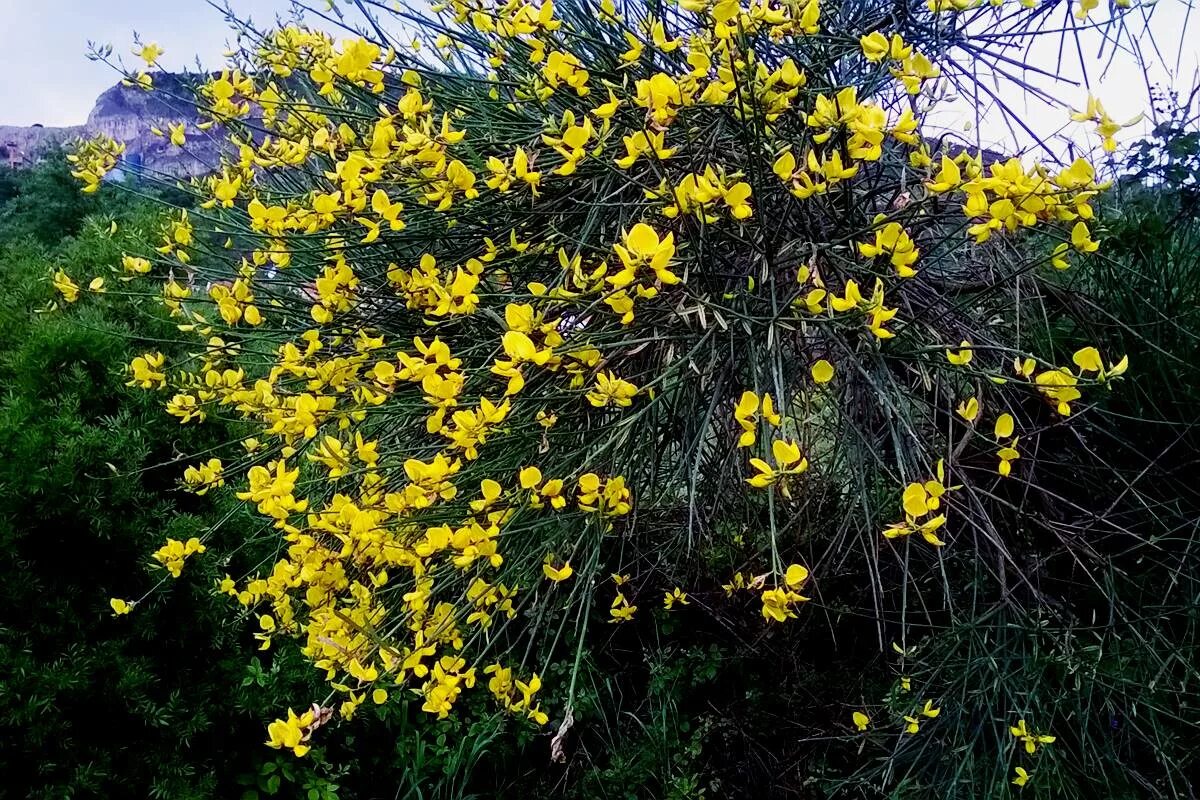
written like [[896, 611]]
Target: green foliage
[[45, 203], [170, 701], [1170, 157], [657, 749], [1096, 639], [1101, 648], [91, 705]]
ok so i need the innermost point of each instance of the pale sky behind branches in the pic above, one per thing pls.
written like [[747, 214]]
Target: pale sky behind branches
[[47, 78]]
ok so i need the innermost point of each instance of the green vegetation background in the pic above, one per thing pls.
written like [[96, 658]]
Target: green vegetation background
[[167, 702]]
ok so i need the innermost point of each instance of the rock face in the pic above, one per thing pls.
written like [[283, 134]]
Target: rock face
[[127, 114], [20, 146]]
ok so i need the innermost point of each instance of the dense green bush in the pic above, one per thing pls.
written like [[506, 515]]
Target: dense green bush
[[40, 203], [170, 701], [153, 704]]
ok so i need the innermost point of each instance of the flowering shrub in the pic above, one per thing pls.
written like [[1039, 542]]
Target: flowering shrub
[[558, 291]]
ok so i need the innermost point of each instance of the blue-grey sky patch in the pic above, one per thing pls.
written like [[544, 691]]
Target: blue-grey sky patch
[[47, 77]]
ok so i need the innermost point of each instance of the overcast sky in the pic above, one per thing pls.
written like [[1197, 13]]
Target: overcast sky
[[1159, 47], [46, 77]]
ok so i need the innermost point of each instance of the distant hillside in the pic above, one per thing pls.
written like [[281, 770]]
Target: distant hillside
[[127, 114], [21, 146]]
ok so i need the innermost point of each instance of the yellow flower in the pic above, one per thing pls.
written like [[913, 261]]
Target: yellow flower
[[1116, 370], [777, 604], [1106, 126], [557, 574], [969, 410], [746, 413], [822, 371], [915, 69], [963, 356], [134, 265], [621, 610], [640, 247], [147, 371], [795, 576], [1004, 426], [174, 553], [149, 53], [1030, 738], [743, 412], [519, 347], [1058, 259], [659, 37], [1022, 777], [1007, 455], [768, 411], [1058, 386], [948, 177], [892, 240], [292, 733], [204, 476], [861, 720], [738, 581], [920, 499], [789, 460], [65, 286], [611, 499], [635, 48], [673, 597], [874, 46], [661, 96], [333, 455], [916, 500], [1081, 238], [784, 166], [1088, 359], [120, 606], [611, 390], [530, 478]]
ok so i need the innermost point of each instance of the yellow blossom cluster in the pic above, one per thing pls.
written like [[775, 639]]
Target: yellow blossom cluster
[[482, 333], [174, 553], [94, 158]]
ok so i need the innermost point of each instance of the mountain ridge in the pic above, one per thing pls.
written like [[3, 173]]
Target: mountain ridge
[[127, 114]]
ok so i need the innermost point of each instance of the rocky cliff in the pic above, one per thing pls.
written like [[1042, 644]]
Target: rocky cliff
[[21, 146], [127, 114]]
